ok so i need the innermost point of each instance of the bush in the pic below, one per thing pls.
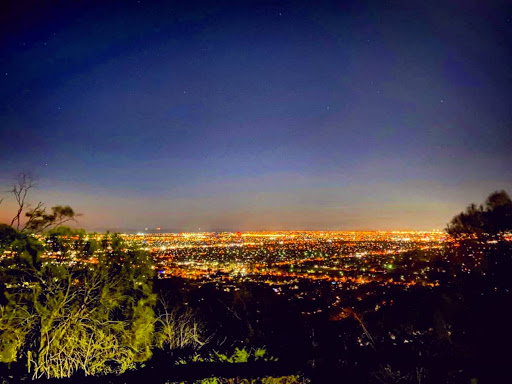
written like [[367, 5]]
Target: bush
[[97, 320]]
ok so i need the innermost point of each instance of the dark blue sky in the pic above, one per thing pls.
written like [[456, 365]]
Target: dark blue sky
[[258, 115]]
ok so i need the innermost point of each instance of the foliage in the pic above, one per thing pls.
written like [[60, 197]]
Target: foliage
[[178, 330], [64, 240], [61, 320], [38, 219], [387, 375], [240, 355], [7, 236], [291, 379], [492, 218]]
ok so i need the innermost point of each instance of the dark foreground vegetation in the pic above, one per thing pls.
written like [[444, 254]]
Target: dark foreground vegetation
[[104, 317]]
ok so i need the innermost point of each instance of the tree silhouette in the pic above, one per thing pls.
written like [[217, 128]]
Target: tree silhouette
[[23, 185], [37, 218], [491, 219]]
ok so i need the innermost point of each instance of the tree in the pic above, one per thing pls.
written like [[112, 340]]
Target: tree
[[37, 218], [7, 236], [498, 208], [23, 185], [491, 219], [480, 231], [91, 311]]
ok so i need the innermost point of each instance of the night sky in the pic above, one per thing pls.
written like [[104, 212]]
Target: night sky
[[257, 115]]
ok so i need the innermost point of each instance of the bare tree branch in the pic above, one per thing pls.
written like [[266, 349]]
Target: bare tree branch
[[230, 310], [39, 207], [23, 184]]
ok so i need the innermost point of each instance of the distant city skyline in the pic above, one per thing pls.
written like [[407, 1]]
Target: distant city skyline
[[249, 115], [144, 215]]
